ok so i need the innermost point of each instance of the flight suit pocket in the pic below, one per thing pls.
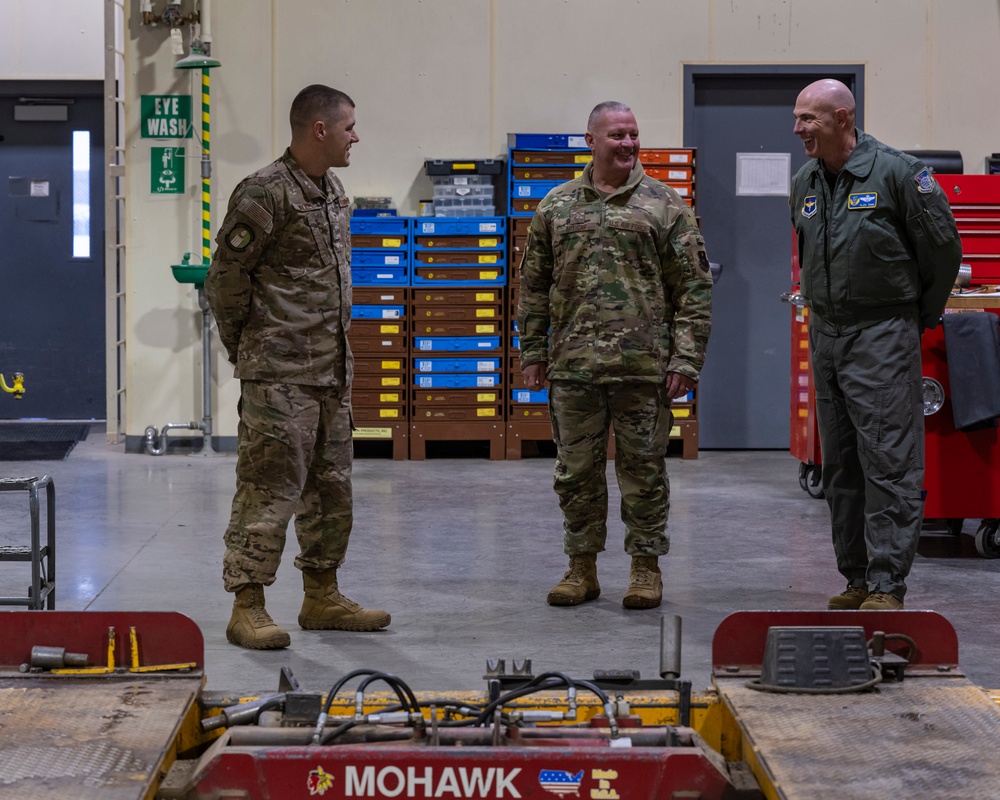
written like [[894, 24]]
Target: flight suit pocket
[[881, 270], [935, 225]]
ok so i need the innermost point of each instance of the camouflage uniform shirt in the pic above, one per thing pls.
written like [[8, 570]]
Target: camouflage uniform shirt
[[614, 289], [280, 282]]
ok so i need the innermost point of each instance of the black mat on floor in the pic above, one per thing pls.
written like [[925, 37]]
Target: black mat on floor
[[40, 441]]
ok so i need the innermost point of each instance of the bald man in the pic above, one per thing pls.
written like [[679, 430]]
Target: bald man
[[879, 253]]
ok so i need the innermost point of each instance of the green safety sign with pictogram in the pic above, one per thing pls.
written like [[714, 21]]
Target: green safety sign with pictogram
[[165, 116], [166, 170]]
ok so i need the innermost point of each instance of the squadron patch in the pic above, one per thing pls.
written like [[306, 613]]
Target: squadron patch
[[924, 181], [809, 206], [857, 201], [706, 268], [239, 237]]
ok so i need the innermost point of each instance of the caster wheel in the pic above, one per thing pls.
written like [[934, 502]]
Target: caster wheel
[[802, 477], [988, 538], [814, 481]]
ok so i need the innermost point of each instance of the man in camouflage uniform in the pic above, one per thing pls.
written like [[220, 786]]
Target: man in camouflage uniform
[[879, 253], [280, 289], [614, 314]]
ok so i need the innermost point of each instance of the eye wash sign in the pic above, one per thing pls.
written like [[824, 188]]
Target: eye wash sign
[[165, 116]]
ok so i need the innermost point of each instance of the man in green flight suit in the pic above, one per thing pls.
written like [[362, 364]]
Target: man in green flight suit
[[879, 253], [614, 313]]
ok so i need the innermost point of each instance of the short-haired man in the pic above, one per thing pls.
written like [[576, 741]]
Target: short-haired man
[[280, 289], [614, 313]]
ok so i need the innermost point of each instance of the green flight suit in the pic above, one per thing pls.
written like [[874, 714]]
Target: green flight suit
[[879, 253]]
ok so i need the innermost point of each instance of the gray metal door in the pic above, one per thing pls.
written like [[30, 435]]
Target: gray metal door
[[52, 253], [743, 397]]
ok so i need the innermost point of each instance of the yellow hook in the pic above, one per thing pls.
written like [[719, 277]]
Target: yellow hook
[[17, 389]]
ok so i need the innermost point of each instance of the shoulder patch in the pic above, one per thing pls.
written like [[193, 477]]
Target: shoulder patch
[[255, 212], [924, 181], [240, 237], [809, 206]]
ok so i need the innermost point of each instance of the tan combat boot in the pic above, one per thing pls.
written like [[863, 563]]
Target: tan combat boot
[[882, 601], [645, 587], [579, 584], [325, 608], [849, 600], [251, 626]]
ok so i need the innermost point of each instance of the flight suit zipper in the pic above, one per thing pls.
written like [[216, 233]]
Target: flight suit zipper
[[828, 195]]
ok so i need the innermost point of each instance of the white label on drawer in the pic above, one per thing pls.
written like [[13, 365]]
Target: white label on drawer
[[678, 158], [427, 227], [390, 313], [426, 344], [484, 345], [524, 191], [391, 260], [576, 141], [523, 397], [485, 366], [426, 382], [459, 180], [425, 366], [386, 276], [487, 227], [485, 380]]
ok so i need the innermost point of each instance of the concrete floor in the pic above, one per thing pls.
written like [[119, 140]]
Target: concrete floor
[[462, 551]]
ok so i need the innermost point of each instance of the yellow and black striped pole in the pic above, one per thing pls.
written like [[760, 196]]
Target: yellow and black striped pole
[[203, 61], [206, 167]]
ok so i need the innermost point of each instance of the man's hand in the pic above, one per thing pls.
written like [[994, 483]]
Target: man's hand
[[678, 385], [534, 376]]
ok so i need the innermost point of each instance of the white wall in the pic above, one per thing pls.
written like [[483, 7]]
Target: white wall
[[52, 40], [450, 78]]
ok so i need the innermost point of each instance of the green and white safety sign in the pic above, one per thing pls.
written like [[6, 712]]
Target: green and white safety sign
[[165, 116], [166, 167]]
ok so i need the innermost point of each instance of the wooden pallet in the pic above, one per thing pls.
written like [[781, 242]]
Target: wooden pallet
[[423, 432], [396, 435]]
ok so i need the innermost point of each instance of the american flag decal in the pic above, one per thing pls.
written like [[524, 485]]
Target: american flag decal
[[560, 782]]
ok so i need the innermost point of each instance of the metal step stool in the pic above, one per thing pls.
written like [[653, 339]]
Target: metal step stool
[[43, 587]]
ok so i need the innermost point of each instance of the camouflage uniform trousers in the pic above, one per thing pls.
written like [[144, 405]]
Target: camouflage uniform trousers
[[294, 456], [869, 402], [581, 414]]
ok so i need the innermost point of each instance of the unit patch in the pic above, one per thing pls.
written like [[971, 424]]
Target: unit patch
[[924, 181], [809, 206], [239, 237], [857, 201]]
